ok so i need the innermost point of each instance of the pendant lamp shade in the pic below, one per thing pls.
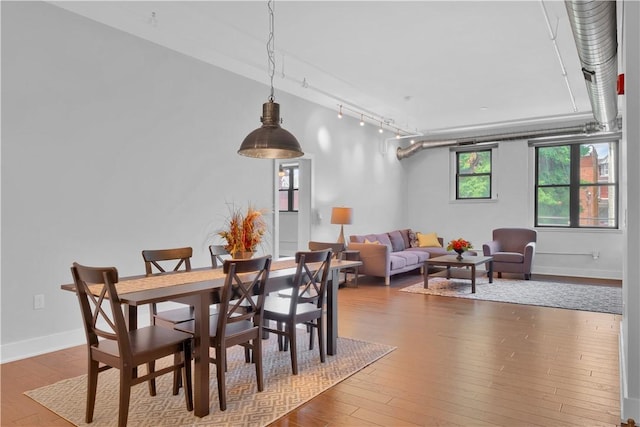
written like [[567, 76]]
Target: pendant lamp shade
[[270, 141]]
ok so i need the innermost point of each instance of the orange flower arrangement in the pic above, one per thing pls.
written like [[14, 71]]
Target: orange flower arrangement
[[243, 232], [459, 245]]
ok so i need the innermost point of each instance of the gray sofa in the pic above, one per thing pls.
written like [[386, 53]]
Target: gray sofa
[[395, 253]]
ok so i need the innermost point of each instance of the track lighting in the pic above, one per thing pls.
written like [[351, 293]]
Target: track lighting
[[383, 123]]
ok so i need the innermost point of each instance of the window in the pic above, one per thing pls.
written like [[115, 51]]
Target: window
[[473, 174], [288, 197], [576, 186]]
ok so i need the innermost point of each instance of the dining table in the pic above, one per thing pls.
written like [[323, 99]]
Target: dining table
[[199, 288]]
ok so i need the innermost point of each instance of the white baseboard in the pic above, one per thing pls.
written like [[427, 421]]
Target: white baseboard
[[54, 342], [581, 272], [36, 346]]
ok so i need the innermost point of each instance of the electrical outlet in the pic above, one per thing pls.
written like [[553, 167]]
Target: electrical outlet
[[38, 302]]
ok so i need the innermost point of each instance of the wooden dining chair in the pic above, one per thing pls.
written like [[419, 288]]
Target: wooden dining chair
[[234, 324], [304, 304], [111, 345], [217, 253], [162, 261]]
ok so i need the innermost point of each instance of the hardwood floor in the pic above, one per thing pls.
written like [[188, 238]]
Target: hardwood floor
[[458, 362]]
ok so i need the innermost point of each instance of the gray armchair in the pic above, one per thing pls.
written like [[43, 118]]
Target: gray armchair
[[513, 250]]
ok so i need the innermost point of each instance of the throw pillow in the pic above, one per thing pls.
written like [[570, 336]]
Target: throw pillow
[[413, 239], [405, 237], [368, 242], [397, 242], [429, 240]]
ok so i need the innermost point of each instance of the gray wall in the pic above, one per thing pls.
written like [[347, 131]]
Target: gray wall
[[111, 144]]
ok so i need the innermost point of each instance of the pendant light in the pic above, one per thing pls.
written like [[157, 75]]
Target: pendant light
[[270, 141]]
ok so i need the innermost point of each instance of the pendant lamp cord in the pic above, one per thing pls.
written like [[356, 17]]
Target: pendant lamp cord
[[271, 48]]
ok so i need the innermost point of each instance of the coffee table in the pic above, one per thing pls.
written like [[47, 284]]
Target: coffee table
[[452, 261]]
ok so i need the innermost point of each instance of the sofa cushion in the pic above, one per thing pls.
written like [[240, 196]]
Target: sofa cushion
[[397, 242], [382, 238], [508, 257], [410, 257], [397, 262], [429, 240], [439, 251], [413, 256]]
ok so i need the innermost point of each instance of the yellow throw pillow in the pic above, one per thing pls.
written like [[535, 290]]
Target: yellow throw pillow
[[367, 242], [429, 240]]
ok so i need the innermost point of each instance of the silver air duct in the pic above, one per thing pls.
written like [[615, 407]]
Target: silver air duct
[[583, 129], [595, 33], [594, 29]]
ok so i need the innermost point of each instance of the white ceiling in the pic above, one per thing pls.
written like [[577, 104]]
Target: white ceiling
[[422, 65]]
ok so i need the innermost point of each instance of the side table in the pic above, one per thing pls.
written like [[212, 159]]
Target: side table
[[350, 255]]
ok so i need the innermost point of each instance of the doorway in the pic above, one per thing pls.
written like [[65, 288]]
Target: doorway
[[292, 229]]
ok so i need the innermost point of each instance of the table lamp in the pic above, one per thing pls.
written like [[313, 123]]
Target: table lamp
[[341, 216]]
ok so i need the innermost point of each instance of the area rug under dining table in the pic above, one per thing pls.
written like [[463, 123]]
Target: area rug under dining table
[[587, 297], [245, 406]]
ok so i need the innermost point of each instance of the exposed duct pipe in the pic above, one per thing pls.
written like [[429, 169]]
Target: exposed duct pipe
[[595, 33], [584, 129], [594, 28]]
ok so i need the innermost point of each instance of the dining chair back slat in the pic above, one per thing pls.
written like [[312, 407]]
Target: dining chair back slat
[[177, 258], [217, 252], [98, 310], [156, 257]]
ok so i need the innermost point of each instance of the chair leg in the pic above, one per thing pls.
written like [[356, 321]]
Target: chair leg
[[291, 332], [151, 367], [311, 331], [186, 375], [321, 340], [284, 337], [281, 341], [177, 381], [257, 359], [221, 363], [247, 353], [125, 395], [92, 385]]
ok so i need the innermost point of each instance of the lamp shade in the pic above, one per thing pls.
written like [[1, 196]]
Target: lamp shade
[[341, 215], [270, 141]]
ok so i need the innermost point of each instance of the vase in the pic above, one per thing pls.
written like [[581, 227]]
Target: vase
[[242, 254], [460, 252]]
